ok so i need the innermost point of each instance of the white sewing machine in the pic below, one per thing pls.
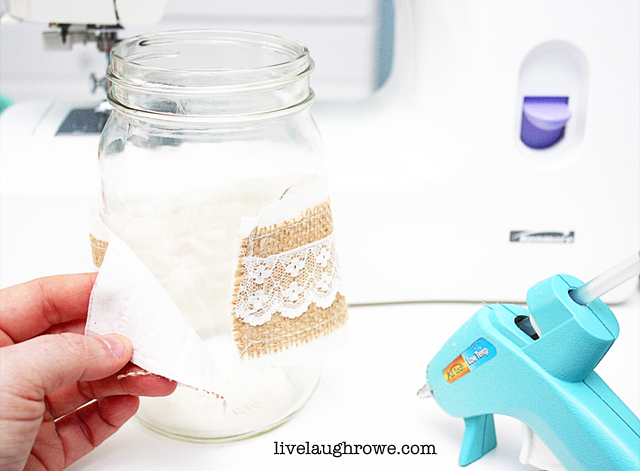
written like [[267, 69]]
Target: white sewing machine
[[439, 191], [436, 193]]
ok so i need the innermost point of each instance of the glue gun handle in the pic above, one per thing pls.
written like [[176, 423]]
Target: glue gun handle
[[605, 434], [479, 438]]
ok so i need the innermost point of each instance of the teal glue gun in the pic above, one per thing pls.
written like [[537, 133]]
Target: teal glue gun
[[536, 365]]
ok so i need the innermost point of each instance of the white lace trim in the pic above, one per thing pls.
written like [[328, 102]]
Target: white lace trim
[[288, 282]]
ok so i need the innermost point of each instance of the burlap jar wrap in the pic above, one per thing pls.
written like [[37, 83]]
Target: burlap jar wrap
[[281, 332]]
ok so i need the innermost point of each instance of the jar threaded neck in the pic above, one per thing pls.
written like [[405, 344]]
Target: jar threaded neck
[[209, 74]]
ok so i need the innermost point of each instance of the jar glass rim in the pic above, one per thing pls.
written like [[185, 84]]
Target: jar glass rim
[[135, 58]]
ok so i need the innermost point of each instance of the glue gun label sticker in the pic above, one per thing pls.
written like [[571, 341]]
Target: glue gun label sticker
[[479, 353]]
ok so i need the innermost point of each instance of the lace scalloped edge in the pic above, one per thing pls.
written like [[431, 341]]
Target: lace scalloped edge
[[288, 282]]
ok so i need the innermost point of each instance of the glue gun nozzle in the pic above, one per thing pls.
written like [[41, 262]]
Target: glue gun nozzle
[[425, 392]]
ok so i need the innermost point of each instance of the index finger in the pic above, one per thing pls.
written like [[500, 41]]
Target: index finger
[[30, 308]]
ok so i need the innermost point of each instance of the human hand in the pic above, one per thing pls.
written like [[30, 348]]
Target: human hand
[[50, 375]]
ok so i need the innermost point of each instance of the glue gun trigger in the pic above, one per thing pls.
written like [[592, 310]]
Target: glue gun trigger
[[479, 438]]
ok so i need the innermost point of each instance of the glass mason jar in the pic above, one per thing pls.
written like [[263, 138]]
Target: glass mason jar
[[208, 127]]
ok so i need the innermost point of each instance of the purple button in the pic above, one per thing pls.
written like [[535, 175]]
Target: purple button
[[543, 120]]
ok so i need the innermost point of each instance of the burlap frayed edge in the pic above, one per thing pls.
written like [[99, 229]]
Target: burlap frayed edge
[[282, 333], [147, 373], [98, 250]]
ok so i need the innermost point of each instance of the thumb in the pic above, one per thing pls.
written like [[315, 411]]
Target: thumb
[[43, 364], [33, 368]]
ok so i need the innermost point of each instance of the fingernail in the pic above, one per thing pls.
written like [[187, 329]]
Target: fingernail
[[116, 344]]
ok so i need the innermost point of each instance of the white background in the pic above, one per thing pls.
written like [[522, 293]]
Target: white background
[[367, 392]]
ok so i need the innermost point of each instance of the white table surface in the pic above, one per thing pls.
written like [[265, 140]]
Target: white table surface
[[367, 395]]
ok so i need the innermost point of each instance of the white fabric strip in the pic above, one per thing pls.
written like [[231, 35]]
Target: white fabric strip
[[128, 300]]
